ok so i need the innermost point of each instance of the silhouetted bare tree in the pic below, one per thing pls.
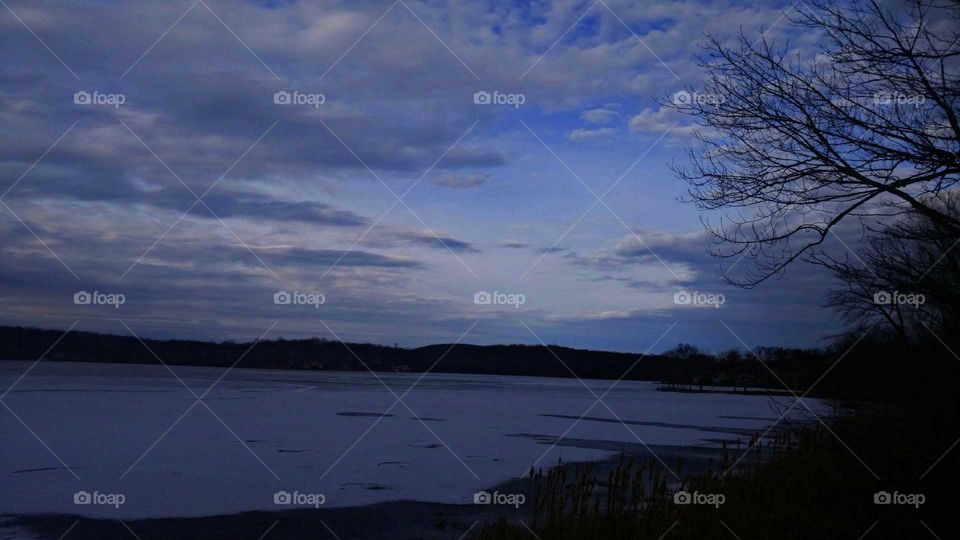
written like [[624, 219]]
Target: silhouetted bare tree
[[793, 141], [907, 277]]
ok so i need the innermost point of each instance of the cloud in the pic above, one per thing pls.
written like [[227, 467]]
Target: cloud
[[462, 181], [437, 240], [582, 135], [514, 244], [232, 204], [599, 116], [298, 188]]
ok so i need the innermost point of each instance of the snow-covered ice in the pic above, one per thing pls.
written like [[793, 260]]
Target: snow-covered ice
[[136, 430]]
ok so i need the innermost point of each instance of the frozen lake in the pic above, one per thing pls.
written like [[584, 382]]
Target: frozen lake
[[136, 430]]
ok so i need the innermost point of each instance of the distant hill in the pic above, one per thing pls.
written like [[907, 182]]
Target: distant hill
[[17, 343]]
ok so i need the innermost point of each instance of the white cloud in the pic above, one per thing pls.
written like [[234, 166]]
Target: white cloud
[[583, 135], [599, 116]]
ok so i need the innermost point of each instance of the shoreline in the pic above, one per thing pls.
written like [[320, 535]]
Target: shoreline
[[403, 519]]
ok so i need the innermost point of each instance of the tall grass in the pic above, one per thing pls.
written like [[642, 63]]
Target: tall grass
[[801, 483]]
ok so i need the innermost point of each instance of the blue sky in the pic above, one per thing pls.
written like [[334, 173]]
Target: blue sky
[[304, 198]]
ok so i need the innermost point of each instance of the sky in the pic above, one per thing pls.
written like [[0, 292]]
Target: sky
[[201, 161]]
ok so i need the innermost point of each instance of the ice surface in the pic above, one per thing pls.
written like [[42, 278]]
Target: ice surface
[[125, 429]]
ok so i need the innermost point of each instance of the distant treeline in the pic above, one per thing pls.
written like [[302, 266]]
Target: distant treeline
[[873, 366], [18, 343]]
